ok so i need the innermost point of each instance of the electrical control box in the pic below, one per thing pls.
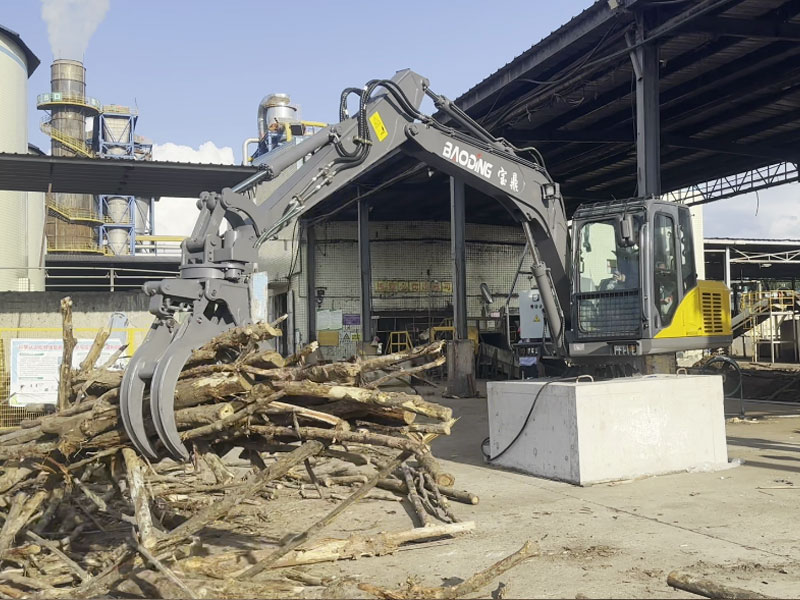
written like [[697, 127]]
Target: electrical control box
[[531, 316]]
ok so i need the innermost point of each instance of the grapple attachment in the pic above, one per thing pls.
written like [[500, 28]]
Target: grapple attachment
[[209, 307]]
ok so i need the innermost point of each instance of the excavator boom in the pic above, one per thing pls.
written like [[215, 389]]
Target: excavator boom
[[216, 267]]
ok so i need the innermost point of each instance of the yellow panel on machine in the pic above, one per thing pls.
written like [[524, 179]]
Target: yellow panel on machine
[[705, 311]]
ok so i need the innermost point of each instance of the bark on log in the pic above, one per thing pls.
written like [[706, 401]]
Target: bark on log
[[413, 497], [339, 436], [380, 414], [69, 341], [277, 408], [94, 352], [13, 472], [148, 534], [408, 372], [709, 589], [218, 468], [28, 450], [236, 338], [410, 402], [431, 465], [387, 360], [344, 373], [299, 358], [212, 388], [96, 382], [22, 509], [250, 409], [268, 359], [437, 428], [398, 487], [203, 414]]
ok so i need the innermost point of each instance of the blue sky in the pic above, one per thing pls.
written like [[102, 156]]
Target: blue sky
[[197, 71]]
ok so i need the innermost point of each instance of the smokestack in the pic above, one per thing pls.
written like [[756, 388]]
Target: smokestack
[[71, 224], [68, 78]]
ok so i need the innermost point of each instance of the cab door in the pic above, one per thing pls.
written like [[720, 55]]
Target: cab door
[[672, 257]]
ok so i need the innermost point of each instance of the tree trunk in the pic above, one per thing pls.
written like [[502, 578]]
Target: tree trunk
[[69, 341]]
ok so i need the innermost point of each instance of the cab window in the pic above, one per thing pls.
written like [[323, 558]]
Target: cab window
[[604, 265], [665, 266]]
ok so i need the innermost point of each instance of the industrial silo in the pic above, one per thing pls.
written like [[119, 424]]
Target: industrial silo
[[119, 223], [72, 219], [17, 63]]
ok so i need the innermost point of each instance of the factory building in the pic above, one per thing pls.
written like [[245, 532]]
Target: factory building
[[314, 267], [21, 213]]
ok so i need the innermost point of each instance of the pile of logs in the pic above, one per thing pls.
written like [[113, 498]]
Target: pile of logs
[[84, 515]]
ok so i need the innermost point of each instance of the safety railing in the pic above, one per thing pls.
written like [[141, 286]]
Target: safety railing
[[45, 101], [73, 214], [118, 110], [75, 144], [769, 301], [762, 318]]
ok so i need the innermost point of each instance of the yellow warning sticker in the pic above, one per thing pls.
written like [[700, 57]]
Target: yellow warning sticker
[[378, 126]]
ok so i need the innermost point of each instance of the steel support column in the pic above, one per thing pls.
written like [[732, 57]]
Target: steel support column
[[648, 124], [458, 252], [365, 265], [727, 274], [311, 281]]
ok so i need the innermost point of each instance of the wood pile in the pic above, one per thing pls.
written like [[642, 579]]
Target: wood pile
[[85, 516]]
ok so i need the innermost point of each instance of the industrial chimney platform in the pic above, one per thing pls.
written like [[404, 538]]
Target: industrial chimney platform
[[597, 431]]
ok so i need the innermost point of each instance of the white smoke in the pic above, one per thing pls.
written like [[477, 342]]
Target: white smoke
[[71, 23], [176, 216]]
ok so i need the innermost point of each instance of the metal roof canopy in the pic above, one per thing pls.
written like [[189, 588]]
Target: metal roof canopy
[[728, 95], [752, 259], [27, 172]]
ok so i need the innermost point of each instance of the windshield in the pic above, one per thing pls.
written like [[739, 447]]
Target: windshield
[[603, 264]]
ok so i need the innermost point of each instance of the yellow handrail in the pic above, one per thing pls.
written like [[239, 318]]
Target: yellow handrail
[[160, 238], [74, 214], [72, 143], [60, 99]]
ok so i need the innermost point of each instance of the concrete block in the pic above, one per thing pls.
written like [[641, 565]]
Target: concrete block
[[590, 432]]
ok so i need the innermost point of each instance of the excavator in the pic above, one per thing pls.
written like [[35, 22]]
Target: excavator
[[625, 289]]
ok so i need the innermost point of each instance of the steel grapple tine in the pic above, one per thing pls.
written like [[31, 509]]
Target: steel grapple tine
[[193, 333], [131, 399], [162, 400]]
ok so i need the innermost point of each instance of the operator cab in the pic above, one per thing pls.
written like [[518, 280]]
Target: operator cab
[[635, 288]]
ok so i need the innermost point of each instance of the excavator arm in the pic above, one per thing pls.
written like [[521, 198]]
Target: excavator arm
[[216, 267]]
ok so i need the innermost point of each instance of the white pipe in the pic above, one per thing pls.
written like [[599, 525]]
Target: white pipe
[[245, 153]]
